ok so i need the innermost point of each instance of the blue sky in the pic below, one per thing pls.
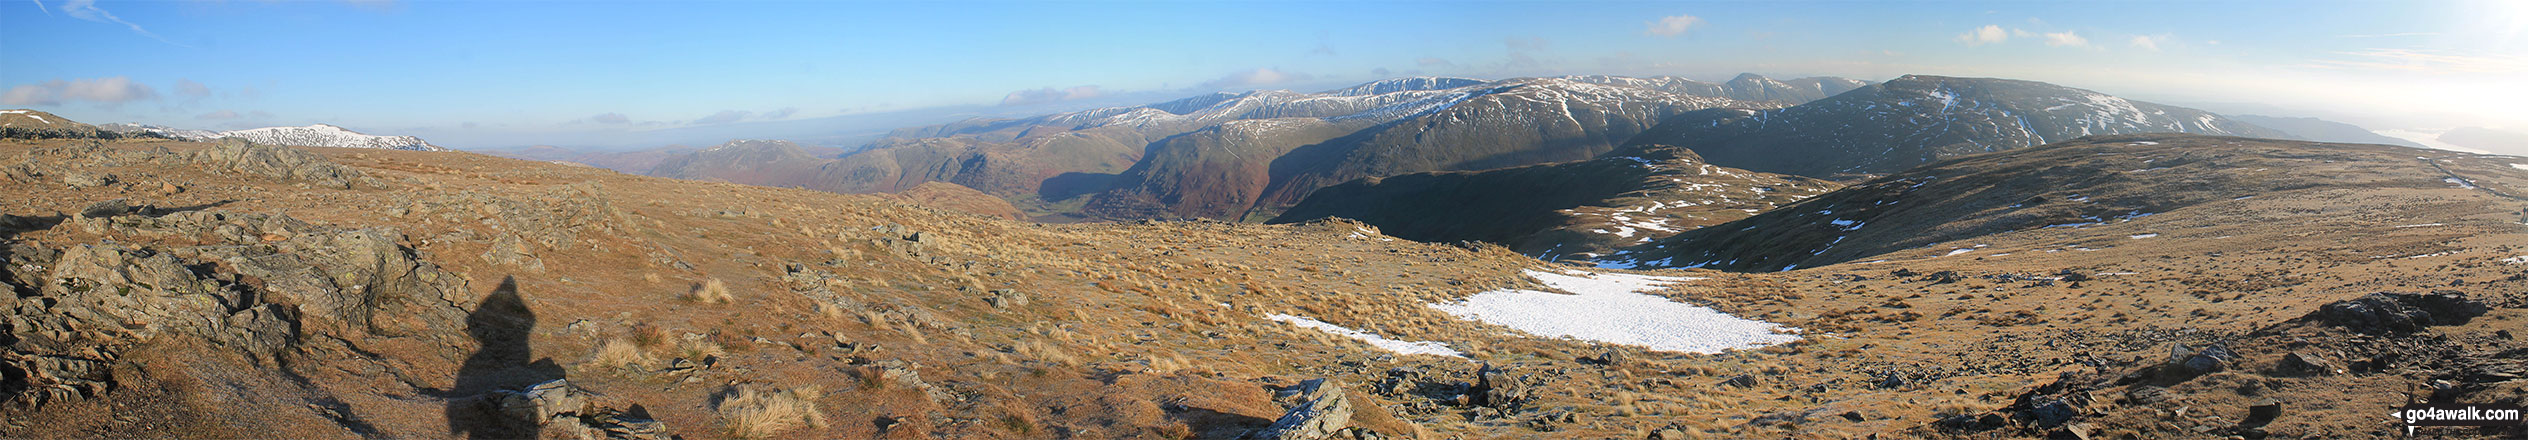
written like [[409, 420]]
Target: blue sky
[[495, 74]]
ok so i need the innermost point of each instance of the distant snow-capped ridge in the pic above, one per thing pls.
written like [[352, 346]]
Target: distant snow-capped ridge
[[128, 128], [323, 135]]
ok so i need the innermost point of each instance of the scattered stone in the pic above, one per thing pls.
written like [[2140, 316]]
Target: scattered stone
[[1498, 389], [2305, 364], [2263, 413], [1005, 298], [1741, 381], [107, 208], [2147, 394], [1323, 410], [83, 180], [2075, 431], [2051, 412], [2186, 362]]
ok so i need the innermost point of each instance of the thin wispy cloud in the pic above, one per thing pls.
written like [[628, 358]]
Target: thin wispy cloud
[[2419, 61], [218, 115], [610, 118], [88, 10], [783, 113], [2392, 35], [192, 91], [2065, 38], [1673, 25], [1989, 34], [2148, 42], [1050, 95], [39, 6], [113, 91], [723, 117], [1257, 77]]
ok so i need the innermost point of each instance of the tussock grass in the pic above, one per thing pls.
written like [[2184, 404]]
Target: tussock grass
[[711, 292], [620, 353], [760, 412]]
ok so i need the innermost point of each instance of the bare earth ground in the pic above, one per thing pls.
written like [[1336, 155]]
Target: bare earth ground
[[906, 320]]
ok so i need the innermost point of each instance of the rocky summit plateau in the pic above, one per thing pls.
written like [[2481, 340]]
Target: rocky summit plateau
[[2056, 264]]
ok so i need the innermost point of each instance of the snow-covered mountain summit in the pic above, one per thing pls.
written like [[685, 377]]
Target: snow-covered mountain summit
[[323, 135]]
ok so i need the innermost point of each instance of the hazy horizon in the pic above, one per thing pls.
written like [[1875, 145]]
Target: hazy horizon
[[489, 75]]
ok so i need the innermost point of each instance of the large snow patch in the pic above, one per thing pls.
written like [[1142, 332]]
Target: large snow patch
[[1400, 347], [1610, 308]]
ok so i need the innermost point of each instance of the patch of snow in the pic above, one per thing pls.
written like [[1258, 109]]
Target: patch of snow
[[1959, 251], [1611, 308], [2422, 225], [2523, 259], [2461, 183], [1399, 347], [2143, 236], [2523, 166]]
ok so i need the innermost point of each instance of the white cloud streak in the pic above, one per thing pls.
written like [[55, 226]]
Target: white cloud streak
[[1989, 34], [109, 91], [1673, 25], [2065, 38], [88, 10]]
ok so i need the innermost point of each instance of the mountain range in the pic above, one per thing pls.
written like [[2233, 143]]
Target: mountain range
[[1917, 119], [1247, 155], [2113, 286], [316, 135]]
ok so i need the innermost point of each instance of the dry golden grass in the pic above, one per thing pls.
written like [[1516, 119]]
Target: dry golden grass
[[620, 353], [711, 292], [758, 412]]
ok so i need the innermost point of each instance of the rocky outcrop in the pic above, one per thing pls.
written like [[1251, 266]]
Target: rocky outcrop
[[2392, 313], [240, 157], [1323, 411], [560, 410], [258, 286]]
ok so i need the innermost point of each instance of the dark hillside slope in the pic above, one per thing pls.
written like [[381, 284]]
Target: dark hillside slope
[[1918, 119], [1551, 210], [2066, 188]]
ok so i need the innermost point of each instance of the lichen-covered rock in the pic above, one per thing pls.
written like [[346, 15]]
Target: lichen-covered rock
[[2388, 313], [1323, 410], [274, 161], [256, 286]]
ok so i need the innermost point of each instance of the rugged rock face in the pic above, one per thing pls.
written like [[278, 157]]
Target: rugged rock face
[[259, 286], [1628, 197], [1322, 412], [1919, 119]]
